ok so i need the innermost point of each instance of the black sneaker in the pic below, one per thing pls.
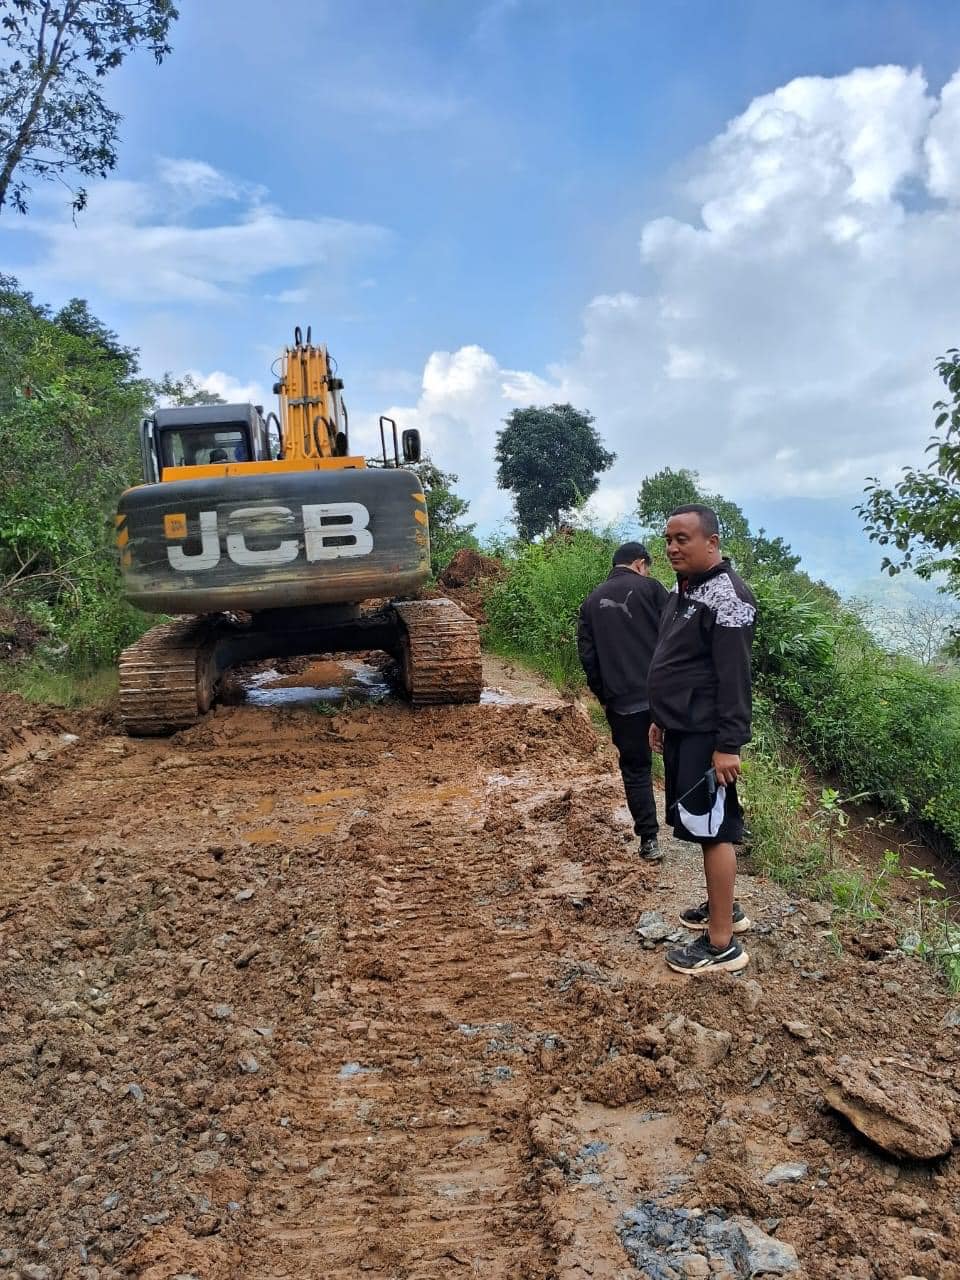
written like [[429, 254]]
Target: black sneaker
[[650, 850], [702, 957], [699, 917]]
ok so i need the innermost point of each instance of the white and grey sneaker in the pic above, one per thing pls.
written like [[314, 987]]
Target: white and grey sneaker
[[699, 917], [650, 850], [701, 957]]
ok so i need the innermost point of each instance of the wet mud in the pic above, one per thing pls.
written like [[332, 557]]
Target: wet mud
[[345, 990]]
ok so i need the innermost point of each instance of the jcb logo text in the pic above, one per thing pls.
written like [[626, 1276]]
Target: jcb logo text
[[331, 530]]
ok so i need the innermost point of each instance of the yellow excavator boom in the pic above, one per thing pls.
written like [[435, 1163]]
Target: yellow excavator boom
[[312, 413]]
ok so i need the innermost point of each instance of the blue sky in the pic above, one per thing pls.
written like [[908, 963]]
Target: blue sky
[[720, 226]]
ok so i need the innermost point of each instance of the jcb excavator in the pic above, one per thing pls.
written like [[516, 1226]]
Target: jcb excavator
[[271, 535]]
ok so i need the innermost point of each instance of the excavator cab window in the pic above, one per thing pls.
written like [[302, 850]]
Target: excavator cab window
[[196, 446]]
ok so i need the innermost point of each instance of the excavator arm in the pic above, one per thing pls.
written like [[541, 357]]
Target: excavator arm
[[313, 417]]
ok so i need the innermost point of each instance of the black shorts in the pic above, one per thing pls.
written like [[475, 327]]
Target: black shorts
[[694, 811]]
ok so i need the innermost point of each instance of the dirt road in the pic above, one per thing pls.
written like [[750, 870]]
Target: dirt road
[[333, 995]]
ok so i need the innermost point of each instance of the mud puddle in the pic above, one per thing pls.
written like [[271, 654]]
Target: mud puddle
[[328, 680], [336, 680]]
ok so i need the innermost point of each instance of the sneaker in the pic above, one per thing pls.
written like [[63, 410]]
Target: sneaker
[[702, 957], [650, 850], [699, 917]]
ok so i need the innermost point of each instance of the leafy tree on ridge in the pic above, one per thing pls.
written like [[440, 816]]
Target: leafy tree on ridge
[[549, 457]]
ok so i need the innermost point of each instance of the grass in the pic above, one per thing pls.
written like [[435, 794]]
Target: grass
[[70, 689]]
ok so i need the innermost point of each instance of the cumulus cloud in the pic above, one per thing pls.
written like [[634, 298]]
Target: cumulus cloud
[[136, 241], [784, 344], [231, 389], [464, 397]]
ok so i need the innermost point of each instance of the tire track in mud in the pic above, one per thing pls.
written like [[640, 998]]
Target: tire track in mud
[[294, 994], [385, 971]]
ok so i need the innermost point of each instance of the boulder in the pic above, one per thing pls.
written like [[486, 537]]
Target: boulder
[[695, 1044], [887, 1109]]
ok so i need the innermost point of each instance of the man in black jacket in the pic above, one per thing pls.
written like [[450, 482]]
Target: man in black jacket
[[616, 636], [700, 707]]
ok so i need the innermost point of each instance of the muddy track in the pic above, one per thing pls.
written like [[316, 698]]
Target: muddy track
[[300, 994]]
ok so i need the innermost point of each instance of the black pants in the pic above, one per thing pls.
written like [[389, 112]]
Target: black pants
[[631, 737], [686, 758]]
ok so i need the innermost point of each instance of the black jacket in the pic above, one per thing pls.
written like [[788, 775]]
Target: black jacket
[[616, 636], [700, 673]]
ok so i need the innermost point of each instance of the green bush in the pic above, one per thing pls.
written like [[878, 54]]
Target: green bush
[[70, 398], [532, 611], [781, 844]]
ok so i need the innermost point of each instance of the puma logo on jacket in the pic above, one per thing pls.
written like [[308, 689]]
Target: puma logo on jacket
[[616, 635]]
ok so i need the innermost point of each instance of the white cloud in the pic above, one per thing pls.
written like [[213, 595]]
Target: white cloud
[[230, 388], [784, 341], [135, 241], [464, 397]]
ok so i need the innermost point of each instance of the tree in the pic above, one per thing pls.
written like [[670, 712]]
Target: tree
[[666, 490], [918, 519], [70, 398], [185, 391], [444, 509], [53, 117], [549, 458], [663, 492]]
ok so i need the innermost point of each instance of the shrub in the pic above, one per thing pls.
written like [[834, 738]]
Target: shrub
[[532, 611]]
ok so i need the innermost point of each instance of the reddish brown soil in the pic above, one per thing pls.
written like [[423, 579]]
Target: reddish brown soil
[[18, 635], [293, 994]]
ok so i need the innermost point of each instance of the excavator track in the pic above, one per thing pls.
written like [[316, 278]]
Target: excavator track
[[440, 652], [167, 677]]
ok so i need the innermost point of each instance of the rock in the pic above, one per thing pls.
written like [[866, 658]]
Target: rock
[[82, 1183], [244, 895], [247, 954], [785, 1173], [901, 1205], [88, 1273], [858, 1268], [694, 1264], [36, 1271], [695, 1044], [248, 1064], [952, 1017], [802, 1030], [751, 993], [222, 1012], [653, 928], [135, 1092], [818, 913], [111, 1201], [886, 1109], [731, 1247], [767, 1257]]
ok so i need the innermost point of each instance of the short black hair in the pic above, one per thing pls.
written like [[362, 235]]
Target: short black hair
[[709, 523], [630, 551]]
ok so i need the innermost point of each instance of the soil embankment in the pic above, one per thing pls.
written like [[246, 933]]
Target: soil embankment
[[303, 994]]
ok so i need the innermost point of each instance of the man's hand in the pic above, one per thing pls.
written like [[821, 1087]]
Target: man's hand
[[656, 739], [726, 766]]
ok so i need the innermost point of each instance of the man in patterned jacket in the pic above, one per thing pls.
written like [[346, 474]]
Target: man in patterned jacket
[[700, 709]]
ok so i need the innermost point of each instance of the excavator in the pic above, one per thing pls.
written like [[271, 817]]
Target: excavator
[[276, 541]]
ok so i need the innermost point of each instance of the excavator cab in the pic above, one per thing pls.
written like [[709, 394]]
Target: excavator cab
[[199, 435], [274, 518]]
